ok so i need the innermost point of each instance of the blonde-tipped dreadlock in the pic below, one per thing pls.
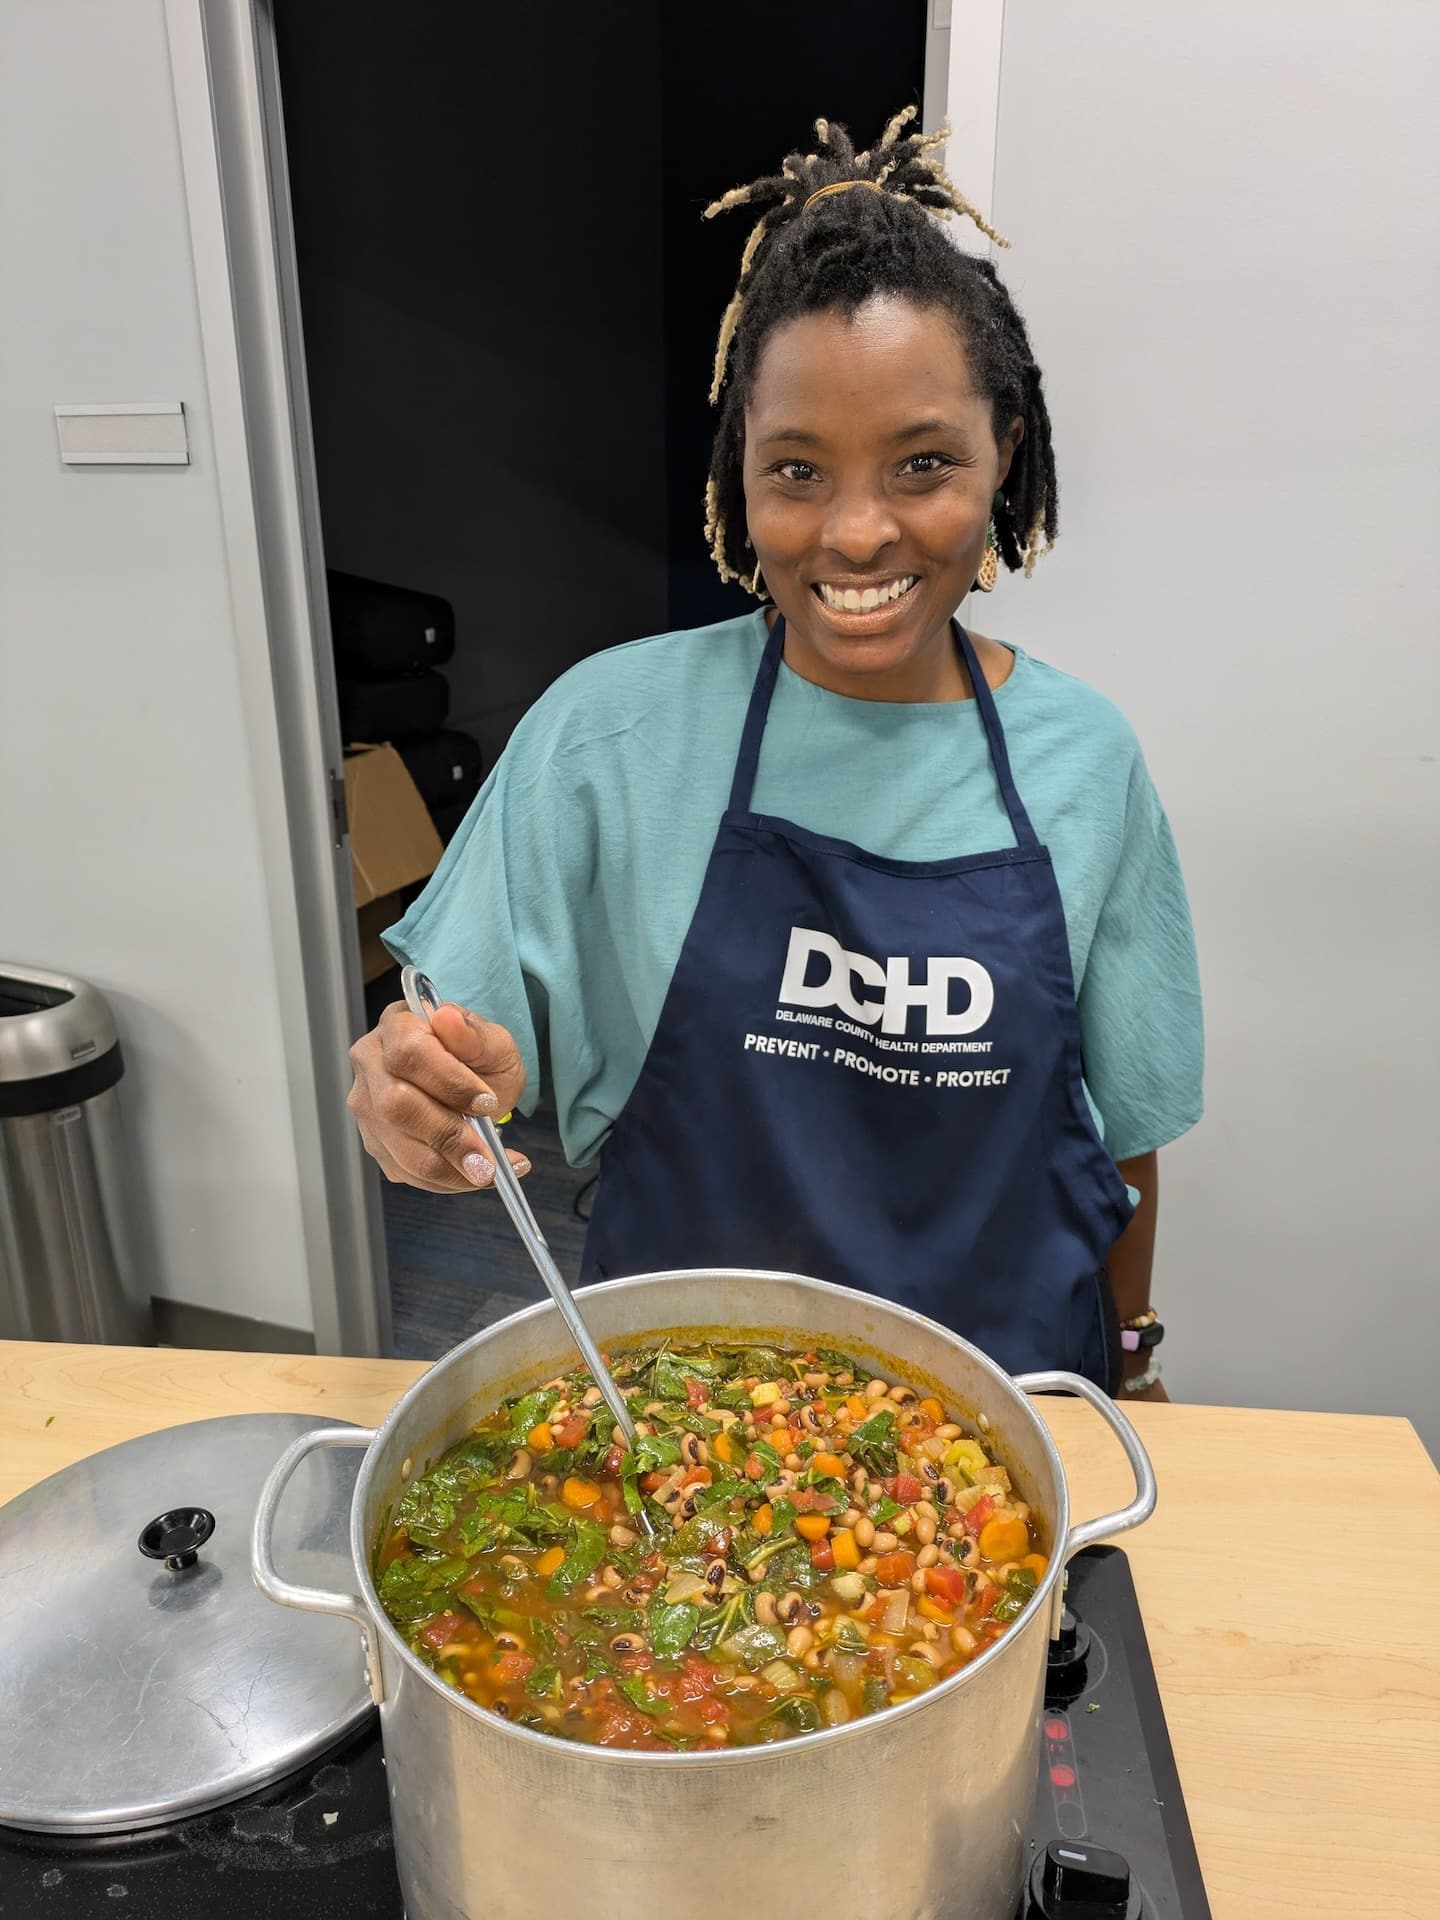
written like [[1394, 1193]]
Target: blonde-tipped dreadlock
[[818, 247]]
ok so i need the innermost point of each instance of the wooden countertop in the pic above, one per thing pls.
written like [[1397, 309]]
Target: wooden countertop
[[1300, 1670]]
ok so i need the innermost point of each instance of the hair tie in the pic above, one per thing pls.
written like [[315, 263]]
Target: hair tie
[[840, 186]]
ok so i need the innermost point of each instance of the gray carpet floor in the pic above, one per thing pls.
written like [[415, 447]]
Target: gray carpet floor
[[457, 1264]]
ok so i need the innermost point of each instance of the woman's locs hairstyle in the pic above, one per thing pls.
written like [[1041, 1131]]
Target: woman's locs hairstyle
[[819, 247]]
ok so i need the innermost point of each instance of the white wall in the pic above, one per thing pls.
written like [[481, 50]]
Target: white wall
[[128, 835], [1224, 225]]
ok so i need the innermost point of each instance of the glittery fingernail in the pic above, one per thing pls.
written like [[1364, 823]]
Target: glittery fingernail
[[477, 1169], [521, 1166], [484, 1103]]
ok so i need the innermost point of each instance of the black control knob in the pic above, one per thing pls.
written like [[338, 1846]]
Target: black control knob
[[177, 1537], [1065, 1667], [1080, 1882]]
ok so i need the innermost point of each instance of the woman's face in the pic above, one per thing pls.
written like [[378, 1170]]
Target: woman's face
[[870, 467]]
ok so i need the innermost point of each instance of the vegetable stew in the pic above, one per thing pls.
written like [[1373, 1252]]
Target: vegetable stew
[[822, 1544]]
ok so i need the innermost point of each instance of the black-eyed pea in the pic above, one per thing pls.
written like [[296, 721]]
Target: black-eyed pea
[[926, 1510], [885, 1542], [593, 1397], [876, 1390], [851, 1518], [794, 1462], [868, 1564], [766, 1612], [811, 1661], [864, 1529], [924, 1531], [917, 1581], [962, 1640], [927, 1556], [949, 1431], [799, 1641]]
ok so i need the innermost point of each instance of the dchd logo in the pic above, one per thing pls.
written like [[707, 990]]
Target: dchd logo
[[892, 980]]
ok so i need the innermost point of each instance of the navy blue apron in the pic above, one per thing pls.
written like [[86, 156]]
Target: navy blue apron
[[868, 1070]]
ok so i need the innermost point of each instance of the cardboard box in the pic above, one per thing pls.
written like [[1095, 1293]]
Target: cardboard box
[[393, 843], [373, 918]]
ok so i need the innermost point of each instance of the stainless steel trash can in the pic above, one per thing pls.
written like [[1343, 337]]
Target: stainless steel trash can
[[67, 1267]]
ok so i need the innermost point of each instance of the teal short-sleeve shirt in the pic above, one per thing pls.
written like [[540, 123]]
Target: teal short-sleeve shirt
[[561, 906]]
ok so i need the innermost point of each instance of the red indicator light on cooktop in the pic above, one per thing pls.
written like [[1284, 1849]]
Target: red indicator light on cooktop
[[1062, 1776], [1056, 1730]]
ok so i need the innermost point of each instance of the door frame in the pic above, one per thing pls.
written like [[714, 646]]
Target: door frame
[[232, 141]]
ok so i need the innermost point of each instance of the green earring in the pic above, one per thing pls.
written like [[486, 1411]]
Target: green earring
[[989, 562]]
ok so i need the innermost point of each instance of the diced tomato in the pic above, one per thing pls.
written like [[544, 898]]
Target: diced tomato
[[754, 1467], [613, 1459], [718, 1545], [652, 1482], [822, 1556], [635, 1663], [895, 1569], [905, 1488], [696, 1392], [571, 1432], [947, 1584], [811, 1500], [714, 1711], [442, 1628], [977, 1516], [511, 1667], [697, 1477], [987, 1600]]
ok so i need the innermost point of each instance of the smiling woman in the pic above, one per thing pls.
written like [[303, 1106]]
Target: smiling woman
[[950, 856]]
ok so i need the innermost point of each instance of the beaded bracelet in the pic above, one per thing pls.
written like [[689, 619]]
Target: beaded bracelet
[[1137, 1383], [1143, 1332]]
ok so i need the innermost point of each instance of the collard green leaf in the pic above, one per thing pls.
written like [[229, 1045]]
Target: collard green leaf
[[528, 1411], [873, 1443], [797, 1710], [633, 1688], [672, 1626], [583, 1555], [754, 1646], [655, 1450], [412, 1590], [427, 1511]]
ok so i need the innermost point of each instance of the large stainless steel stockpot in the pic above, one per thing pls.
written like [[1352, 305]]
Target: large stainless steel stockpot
[[917, 1813]]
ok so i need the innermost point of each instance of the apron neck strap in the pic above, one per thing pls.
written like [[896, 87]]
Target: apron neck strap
[[748, 759], [995, 735]]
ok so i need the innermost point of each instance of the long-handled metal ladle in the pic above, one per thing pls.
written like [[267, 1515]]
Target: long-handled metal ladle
[[421, 998]]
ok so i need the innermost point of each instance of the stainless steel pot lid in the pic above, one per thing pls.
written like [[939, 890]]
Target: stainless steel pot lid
[[143, 1675]]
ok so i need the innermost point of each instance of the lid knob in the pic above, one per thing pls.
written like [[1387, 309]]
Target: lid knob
[[177, 1537]]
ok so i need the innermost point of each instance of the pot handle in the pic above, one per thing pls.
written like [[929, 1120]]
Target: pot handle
[[1143, 1505], [262, 1558]]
